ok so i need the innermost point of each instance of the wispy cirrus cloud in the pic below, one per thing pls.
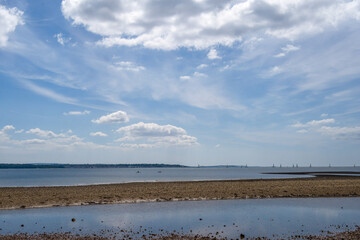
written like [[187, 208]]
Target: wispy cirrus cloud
[[127, 66], [48, 93], [285, 50], [314, 123]]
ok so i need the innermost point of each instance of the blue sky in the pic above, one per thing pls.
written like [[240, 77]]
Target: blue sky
[[191, 82]]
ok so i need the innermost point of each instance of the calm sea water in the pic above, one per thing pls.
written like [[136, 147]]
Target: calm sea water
[[230, 218], [86, 176]]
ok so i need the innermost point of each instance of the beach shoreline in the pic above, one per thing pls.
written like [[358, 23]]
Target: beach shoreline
[[138, 192], [344, 234]]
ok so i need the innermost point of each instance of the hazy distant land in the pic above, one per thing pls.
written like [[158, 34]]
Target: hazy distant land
[[56, 165]]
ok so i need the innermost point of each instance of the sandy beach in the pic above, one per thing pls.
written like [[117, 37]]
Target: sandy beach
[[31, 197]]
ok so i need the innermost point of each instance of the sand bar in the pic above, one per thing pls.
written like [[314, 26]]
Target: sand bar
[[31, 197]]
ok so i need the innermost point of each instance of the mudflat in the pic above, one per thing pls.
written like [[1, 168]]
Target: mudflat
[[325, 186]]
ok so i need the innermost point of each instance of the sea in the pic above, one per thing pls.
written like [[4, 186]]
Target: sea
[[90, 176]]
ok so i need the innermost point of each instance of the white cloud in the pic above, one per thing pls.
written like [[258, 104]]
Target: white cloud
[[285, 50], [33, 141], [51, 139], [343, 133], [201, 66], [136, 145], [302, 131], [217, 145], [85, 112], [9, 19], [4, 137], [324, 115], [213, 54], [159, 135], [98, 134], [7, 128], [48, 93], [44, 133], [61, 39], [314, 123], [46, 141], [280, 55], [290, 48], [116, 117], [127, 66], [273, 71], [226, 67], [185, 77], [202, 24], [198, 74]]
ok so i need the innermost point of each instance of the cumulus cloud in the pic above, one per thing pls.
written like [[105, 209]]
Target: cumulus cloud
[[61, 39], [202, 24], [98, 134], [7, 128], [314, 123], [45, 140], [157, 134], [116, 117], [45, 133], [4, 132], [127, 66], [49, 138], [85, 112], [213, 54], [9, 19]]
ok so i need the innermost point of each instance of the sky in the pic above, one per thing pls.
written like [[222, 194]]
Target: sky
[[181, 82]]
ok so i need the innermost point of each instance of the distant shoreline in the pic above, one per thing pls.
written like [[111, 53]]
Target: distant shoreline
[[55, 165], [144, 165], [136, 192]]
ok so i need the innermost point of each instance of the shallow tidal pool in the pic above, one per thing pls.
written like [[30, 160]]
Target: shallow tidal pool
[[222, 218]]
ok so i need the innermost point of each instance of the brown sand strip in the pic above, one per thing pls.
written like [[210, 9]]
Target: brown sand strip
[[348, 235], [29, 197]]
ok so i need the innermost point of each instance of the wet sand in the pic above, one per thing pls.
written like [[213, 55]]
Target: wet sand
[[31, 197], [349, 235]]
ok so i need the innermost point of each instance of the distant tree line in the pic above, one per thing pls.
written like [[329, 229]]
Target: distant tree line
[[55, 165]]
